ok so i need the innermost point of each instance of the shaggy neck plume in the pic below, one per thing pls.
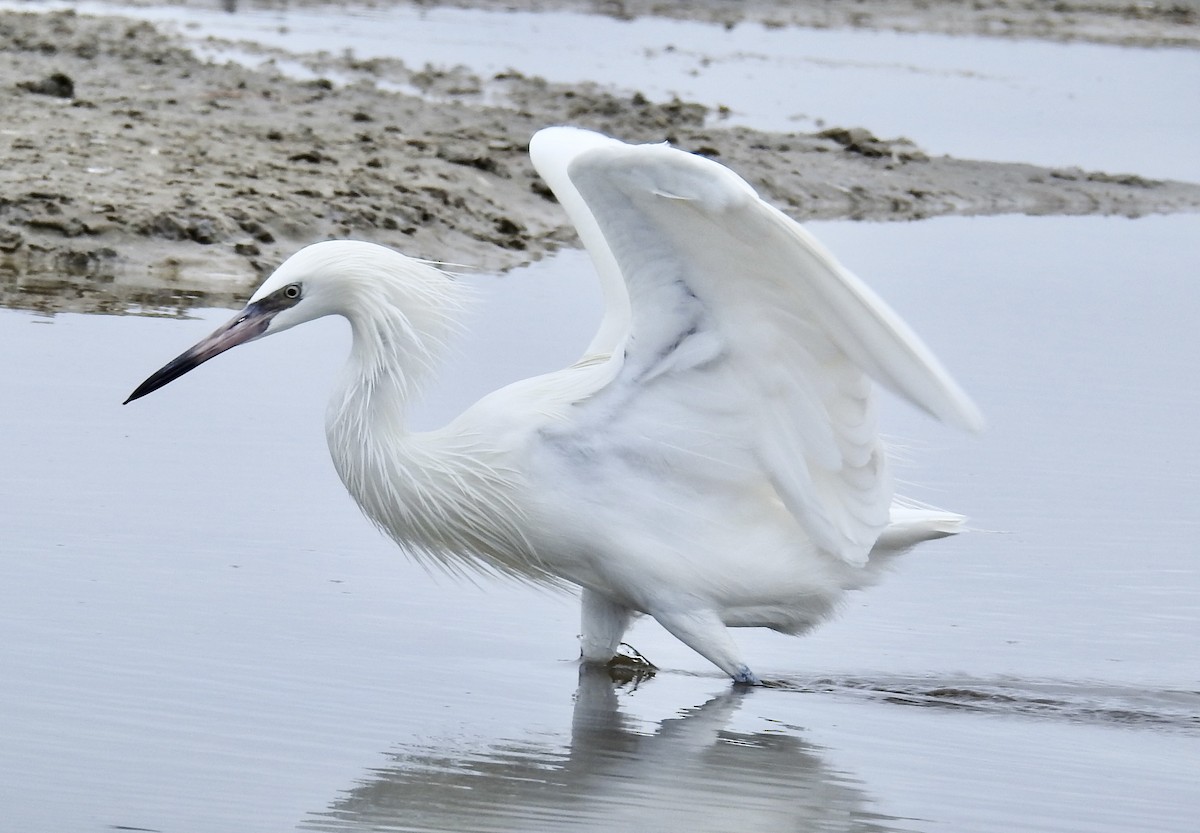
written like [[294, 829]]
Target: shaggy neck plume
[[445, 497]]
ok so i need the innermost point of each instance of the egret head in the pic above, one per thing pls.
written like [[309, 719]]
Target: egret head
[[316, 281]]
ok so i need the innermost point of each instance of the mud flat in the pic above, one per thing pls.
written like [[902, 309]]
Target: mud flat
[[140, 177]]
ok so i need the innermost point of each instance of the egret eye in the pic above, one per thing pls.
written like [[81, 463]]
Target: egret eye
[[292, 290]]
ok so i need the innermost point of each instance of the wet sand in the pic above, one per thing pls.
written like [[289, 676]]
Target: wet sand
[[138, 176]]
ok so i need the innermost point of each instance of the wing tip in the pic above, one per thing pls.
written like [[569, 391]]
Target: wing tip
[[911, 525], [966, 415], [553, 148]]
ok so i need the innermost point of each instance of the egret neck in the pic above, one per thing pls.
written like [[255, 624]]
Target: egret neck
[[445, 496]]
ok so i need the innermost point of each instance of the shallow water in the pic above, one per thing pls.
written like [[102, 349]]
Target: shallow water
[[199, 632]]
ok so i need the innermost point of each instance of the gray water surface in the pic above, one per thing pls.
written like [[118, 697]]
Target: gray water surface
[[198, 632]]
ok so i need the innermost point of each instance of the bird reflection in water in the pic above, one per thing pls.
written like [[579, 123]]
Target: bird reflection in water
[[689, 773]]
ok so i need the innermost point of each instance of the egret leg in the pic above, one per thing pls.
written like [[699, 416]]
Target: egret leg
[[602, 624], [706, 634]]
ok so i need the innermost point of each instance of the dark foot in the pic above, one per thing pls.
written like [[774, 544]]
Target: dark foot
[[629, 666], [745, 676]]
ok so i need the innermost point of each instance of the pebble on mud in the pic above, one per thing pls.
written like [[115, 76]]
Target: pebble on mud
[[865, 143], [10, 240], [57, 84]]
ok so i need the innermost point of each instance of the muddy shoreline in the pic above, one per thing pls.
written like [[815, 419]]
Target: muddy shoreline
[[140, 178]]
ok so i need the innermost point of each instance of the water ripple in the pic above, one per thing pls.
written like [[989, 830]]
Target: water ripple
[[1077, 702]]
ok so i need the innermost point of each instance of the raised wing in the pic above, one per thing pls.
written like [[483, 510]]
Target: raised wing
[[704, 279], [552, 151]]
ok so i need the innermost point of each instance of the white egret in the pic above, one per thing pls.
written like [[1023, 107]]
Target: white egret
[[712, 460]]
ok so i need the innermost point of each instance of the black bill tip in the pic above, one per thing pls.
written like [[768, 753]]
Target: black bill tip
[[169, 372], [249, 325]]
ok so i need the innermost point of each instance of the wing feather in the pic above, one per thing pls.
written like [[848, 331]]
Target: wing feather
[[703, 277]]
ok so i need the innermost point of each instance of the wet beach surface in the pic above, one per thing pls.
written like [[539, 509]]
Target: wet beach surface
[[198, 632]]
